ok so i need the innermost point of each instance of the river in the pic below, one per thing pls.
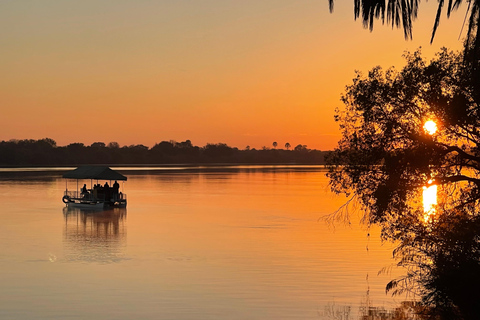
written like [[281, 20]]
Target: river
[[244, 242]]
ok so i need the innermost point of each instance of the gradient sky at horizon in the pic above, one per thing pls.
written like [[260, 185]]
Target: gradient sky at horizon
[[237, 72]]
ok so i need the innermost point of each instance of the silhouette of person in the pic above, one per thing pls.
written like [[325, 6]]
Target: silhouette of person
[[84, 191], [106, 189], [115, 189]]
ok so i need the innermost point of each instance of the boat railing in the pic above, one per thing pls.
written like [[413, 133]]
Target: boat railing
[[74, 194], [83, 195], [95, 196]]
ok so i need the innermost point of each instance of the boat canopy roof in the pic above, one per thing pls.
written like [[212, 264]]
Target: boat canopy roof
[[94, 172]]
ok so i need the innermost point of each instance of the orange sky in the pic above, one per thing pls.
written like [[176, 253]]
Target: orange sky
[[239, 72]]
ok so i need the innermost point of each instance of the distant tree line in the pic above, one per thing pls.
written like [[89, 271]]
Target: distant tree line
[[46, 152]]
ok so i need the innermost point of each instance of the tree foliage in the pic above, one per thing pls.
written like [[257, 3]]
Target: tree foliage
[[385, 157], [385, 153]]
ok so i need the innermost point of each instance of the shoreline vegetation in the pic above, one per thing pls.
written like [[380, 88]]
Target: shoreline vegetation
[[45, 152]]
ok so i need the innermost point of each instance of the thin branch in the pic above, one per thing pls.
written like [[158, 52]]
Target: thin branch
[[461, 152], [459, 178]]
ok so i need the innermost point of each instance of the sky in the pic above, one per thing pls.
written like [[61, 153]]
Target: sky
[[240, 72]]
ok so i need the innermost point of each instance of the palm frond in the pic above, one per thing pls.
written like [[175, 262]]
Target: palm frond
[[437, 19], [472, 33], [330, 5], [399, 13], [453, 5]]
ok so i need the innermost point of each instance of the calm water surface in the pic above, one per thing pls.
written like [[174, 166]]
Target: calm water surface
[[232, 243]]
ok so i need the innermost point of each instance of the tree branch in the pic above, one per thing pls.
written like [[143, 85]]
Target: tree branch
[[461, 152], [459, 178]]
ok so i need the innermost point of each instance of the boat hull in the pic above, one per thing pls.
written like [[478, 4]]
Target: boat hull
[[98, 205]]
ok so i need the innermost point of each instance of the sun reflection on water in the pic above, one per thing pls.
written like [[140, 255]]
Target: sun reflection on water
[[429, 200]]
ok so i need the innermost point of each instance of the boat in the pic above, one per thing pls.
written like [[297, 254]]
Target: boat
[[98, 196]]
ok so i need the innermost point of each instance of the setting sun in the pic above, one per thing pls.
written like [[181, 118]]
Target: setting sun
[[430, 127]]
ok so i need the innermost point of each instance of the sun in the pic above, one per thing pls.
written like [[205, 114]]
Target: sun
[[430, 127]]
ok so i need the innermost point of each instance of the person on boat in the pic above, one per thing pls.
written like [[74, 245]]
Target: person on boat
[[115, 188], [84, 191], [95, 192], [100, 192], [106, 190]]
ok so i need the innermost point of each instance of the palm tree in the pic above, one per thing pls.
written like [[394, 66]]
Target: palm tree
[[287, 145], [275, 144], [401, 13]]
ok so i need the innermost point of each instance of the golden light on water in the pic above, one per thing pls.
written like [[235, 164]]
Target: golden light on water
[[430, 127], [429, 199], [430, 190]]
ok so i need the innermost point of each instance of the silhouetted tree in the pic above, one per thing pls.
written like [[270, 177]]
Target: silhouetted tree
[[164, 147], [98, 145], [274, 145], [301, 147], [219, 151], [45, 152], [76, 146], [47, 142], [185, 145], [402, 13], [135, 154], [385, 157], [287, 146], [113, 145]]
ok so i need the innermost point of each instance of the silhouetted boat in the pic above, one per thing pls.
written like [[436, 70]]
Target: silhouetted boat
[[97, 196]]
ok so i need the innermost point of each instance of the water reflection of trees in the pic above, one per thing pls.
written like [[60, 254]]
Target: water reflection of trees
[[443, 265], [406, 310], [95, 236]]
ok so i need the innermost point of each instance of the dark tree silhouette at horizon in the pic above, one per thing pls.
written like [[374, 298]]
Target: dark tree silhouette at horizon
[[45, 152]]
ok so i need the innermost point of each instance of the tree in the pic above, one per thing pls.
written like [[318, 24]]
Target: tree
[[76, 146], [401, 13], [287, 146], [275, 144], [218, 150], [48, 142], [164, 147], [301, 147], [386, 156], [98, 145], [187, 144], [113, 145]]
